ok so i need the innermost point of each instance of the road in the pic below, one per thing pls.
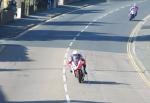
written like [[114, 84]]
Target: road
[[33, 68]]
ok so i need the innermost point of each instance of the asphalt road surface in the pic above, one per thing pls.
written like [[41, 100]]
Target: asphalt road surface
[[33, 69]]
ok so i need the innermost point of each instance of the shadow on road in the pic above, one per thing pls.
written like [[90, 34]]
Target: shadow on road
[[14, 53], [44, 37], [137, 20], [104, 82], [76, 23], [3, 99], [9, 70], [87, 2], [59, 101], [143, 38], [49, 35], [88, 11]]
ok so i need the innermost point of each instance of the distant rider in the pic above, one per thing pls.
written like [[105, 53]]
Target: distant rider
[[78, 59], [134, 9]]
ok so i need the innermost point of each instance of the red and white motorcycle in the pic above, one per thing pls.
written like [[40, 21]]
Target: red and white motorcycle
[[78, 70]]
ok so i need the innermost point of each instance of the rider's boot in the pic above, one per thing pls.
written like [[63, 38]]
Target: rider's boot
[[85, 71]]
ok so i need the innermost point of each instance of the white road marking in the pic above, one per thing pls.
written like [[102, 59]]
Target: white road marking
[[81, 32], [74, 39], [65, 87], [86, 27], [67, 51], [94, 20], [66, 56], [64, 71], [67, 98], [70, 44], [64, 78]]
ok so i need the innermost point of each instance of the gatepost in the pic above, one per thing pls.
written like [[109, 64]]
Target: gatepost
[[18, 9]]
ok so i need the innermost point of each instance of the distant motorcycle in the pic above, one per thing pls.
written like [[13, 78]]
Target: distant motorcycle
[[132, 15], [133, 11]]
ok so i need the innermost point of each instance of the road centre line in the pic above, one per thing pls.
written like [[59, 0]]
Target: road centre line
[[70, 44], [66, 56], [81, 32], [68, 99], [64, 78], [74, 39], [64, 71], [86, 27], [65, 89], [68, 49], [94, 20]]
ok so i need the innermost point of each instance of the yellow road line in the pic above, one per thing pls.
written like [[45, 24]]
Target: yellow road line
[[137, 66]]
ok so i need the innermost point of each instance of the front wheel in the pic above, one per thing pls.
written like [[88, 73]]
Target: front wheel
[[80, 76], [132, 17]]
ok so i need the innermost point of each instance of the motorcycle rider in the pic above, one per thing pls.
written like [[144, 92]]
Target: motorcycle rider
[[78, 59], [134, 9]]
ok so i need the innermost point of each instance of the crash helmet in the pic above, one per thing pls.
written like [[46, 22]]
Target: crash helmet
[[75, 52]]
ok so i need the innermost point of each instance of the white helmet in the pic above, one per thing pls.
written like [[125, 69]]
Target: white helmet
[[75, 52]]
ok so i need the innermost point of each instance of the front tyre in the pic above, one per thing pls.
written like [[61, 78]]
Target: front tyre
[[132, 17], [80, 76]]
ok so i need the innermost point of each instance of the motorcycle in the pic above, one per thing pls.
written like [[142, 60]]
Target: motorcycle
[[79, 73], [132, 15]]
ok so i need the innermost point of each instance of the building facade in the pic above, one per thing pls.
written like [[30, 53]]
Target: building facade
[[21, 8]]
